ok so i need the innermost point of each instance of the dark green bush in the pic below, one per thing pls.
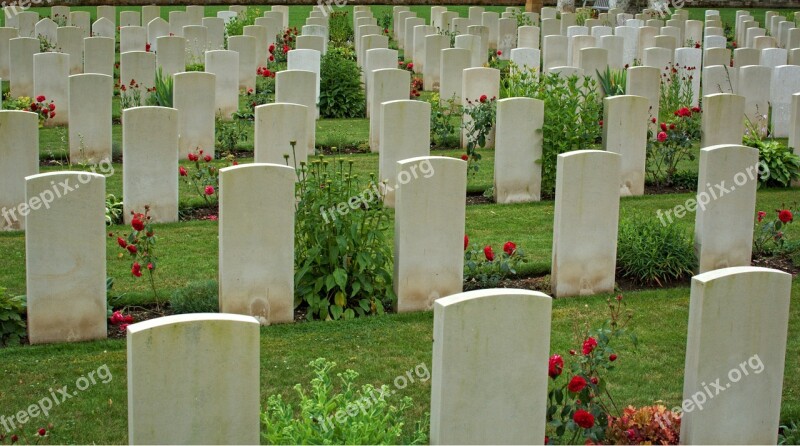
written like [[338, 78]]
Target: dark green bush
[[341, 93], [12, 320], [196, 297], [651, 253]]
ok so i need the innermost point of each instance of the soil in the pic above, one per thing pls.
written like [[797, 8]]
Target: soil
[[199, 214], [652, 189], [478, 199], [784, 264], [341, 150]]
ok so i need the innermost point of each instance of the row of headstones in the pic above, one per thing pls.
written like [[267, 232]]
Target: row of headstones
[[473, 400], [429, 226]]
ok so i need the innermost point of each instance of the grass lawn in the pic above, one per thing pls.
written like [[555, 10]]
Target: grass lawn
[[379, 348]]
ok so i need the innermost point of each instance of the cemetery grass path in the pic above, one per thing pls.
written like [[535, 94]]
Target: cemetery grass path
[[380, 349]]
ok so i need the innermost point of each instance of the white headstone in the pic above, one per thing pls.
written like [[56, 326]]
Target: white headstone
[[132, 38], [51, 79], [98, 55], [517, 175], [785, 83], [306, 60], [156, 28], [246, 47], [175, 361], [453, 63], [139, 68], [390, 84], [477, 82], [90, 98], [721, 239], [196, 43], [276, 126], [19, 150], [405, 133], [473, 400], [150, 151], [171, 56], [434, 44], [70, 41], [625, 120], [754, 84], [193, 97], [585, 224], [104, 27], [430, 205], [225, 65]]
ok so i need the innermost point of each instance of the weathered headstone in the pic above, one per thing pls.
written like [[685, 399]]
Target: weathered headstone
[[453, 63], [177, 20], [225, 65], [246, 47], [19, 150], [193, 96], [585, 224], [625, 132], [98, 55], [470, 336], [51, 79], [103, 27], [137, 68], [723, 119], [478, 82], [171, 58], [70, 41], [404, 133], [429, 231], [90, 118], [132, 38], [390, 84], [754, 84], [434, 44], [196, 43], [276, 126], [517, 175], [129, 18], [175, 361], [785, 83]]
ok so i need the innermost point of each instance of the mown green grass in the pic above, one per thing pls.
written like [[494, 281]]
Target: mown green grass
[[380, 349]]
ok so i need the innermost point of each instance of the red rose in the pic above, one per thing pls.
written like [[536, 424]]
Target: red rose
[[136, 269], [52, 115], [672, 126], [588, 345], [123, 327], [499, 53], [695, 109], [466, 242], [662, 136], [122, 243], [235, 163], [136, 223], [761, 215], [42, 432], [583, 419], [576, 384], [14, 438], [272, 48], [40, 98], [182, 171], [684, 112], [386, 31], [483, 98], [34, 107], [116, 317], [487, 251], [286, 48], [209, 190], [147, 47], [132, 249], [509, 248], [664, 126], [555, 366], [127, 319], [612, 357], [207, 158], [150, 266], [465, 157], [785, 216], [653, 120], [193, 157], [594, 380], [271, 58], [697, 45]]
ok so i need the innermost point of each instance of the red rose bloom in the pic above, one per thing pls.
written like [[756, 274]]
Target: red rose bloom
[[653, 120], [122, 243], [147, 47], [150, 266], [136, 223], [487, 251], [483, 98], [588, 345], [136, 269], [509, 248], [594, 380], [52, 115], [695, 109], [662, 136], [182, 171], [576, 384], [410, 66], [193, 157], [465, 157], [785, 216], [271, 58], [207, 158], [40, 98], [583, 419], [499, 53], [209, 190], [555, 366], [761, 215], [42, 432], [466, 242], [123, 327], [132, 249], [672, 126], [286, 48], [272, 48], [664, 126], [612, 357]]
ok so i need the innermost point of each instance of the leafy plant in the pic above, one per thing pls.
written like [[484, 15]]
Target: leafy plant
[[236, 26], [195, 67], [645, 425], [114, 210], [789, 433], [229, 134], [613, 82], [572, 112], [780, 164], [341, 92], [341, 32], [343, 260], [43, 108], [12, 322], [205, 176], [651, 253], [485, 268], [196, 297], [443, 129], [374, 421], [676, 90], [579, 408], [673, 143], [478, 128], [45, 45], [162, 92], [131, 95]]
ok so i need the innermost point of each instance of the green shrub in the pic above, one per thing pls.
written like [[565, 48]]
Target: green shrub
[[651, 253], [789, 433], [162, 94], [196, 297], [341, 93], [236, 26], [12, 322], [376, 420], [343, 261], [445, 121], [783, 165]]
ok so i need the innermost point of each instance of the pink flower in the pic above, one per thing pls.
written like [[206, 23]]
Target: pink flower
[[662, 136], [209, 190]]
